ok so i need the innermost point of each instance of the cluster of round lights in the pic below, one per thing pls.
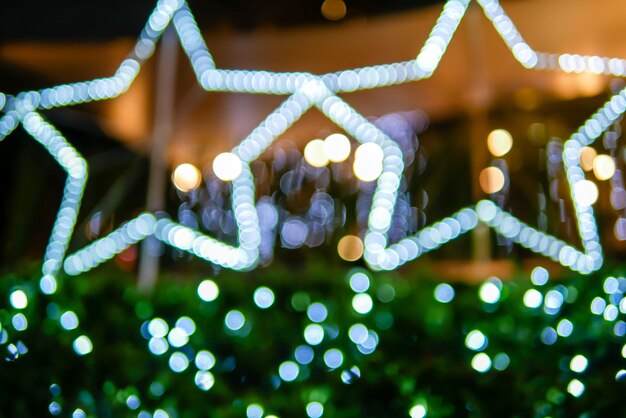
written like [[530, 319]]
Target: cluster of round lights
[[492, 179], [226, 166], [602, 165], [335, 148]]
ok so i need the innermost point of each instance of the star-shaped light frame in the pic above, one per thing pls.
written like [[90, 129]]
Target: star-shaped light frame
[[70, 161], [22, 109], [309, 90]]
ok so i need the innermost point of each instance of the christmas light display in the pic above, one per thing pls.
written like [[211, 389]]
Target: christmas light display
[[487, 331]]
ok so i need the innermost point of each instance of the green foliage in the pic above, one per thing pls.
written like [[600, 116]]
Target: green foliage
[[421, 357]]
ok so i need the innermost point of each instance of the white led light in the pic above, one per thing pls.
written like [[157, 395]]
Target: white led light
[[576, 388], [337, 147], [578, 363], [18, 299], [417, 411], [227, 166], [481, 363], [82, 345]]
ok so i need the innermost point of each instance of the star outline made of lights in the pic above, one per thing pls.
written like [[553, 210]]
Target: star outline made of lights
[[212, 79]]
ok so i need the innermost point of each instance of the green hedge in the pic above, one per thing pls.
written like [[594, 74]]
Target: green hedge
[[421, 357]]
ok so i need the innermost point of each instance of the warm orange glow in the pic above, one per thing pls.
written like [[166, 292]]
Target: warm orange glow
[[491, 180], [587, 156], [334, 9], [350, 248]]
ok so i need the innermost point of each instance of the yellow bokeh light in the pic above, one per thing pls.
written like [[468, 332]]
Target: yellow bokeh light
[[334, 9], [314, 153], [499, 142], [350, 248], [587, 157], [585, 192], [186, 177], [227, 166], [491, 180], [337, 148], [603, 167], [368, 162]]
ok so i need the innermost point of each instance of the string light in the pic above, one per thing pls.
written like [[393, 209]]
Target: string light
[[227, 166], [308, 90], [368, 162]]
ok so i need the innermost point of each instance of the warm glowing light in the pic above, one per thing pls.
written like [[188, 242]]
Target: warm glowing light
[[186, 177], [587, 158], [499, 142], [590, 85], [585, 192], [227, 166], [368, 161], [603, 167], [334, 9], [491, 180], [350, 248], [314, 153], [337, 148]]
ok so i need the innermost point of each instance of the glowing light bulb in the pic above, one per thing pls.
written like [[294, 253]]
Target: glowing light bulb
[[314, 153], [227, 166], [491, 180], [585, 192], [587, 157], [499, 142], [350, 248], [368, 162], [337, 148], [603, 167], [186, 177]]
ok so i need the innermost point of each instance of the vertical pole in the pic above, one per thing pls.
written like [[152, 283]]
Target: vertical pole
[[161, 132], [479, 125]]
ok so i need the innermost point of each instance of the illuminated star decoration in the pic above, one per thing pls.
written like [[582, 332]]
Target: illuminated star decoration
[[590, 259], [308, 90], [23, 109], [70, 161]]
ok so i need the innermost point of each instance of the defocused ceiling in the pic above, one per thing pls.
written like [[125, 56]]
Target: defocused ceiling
[[70, 20]]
